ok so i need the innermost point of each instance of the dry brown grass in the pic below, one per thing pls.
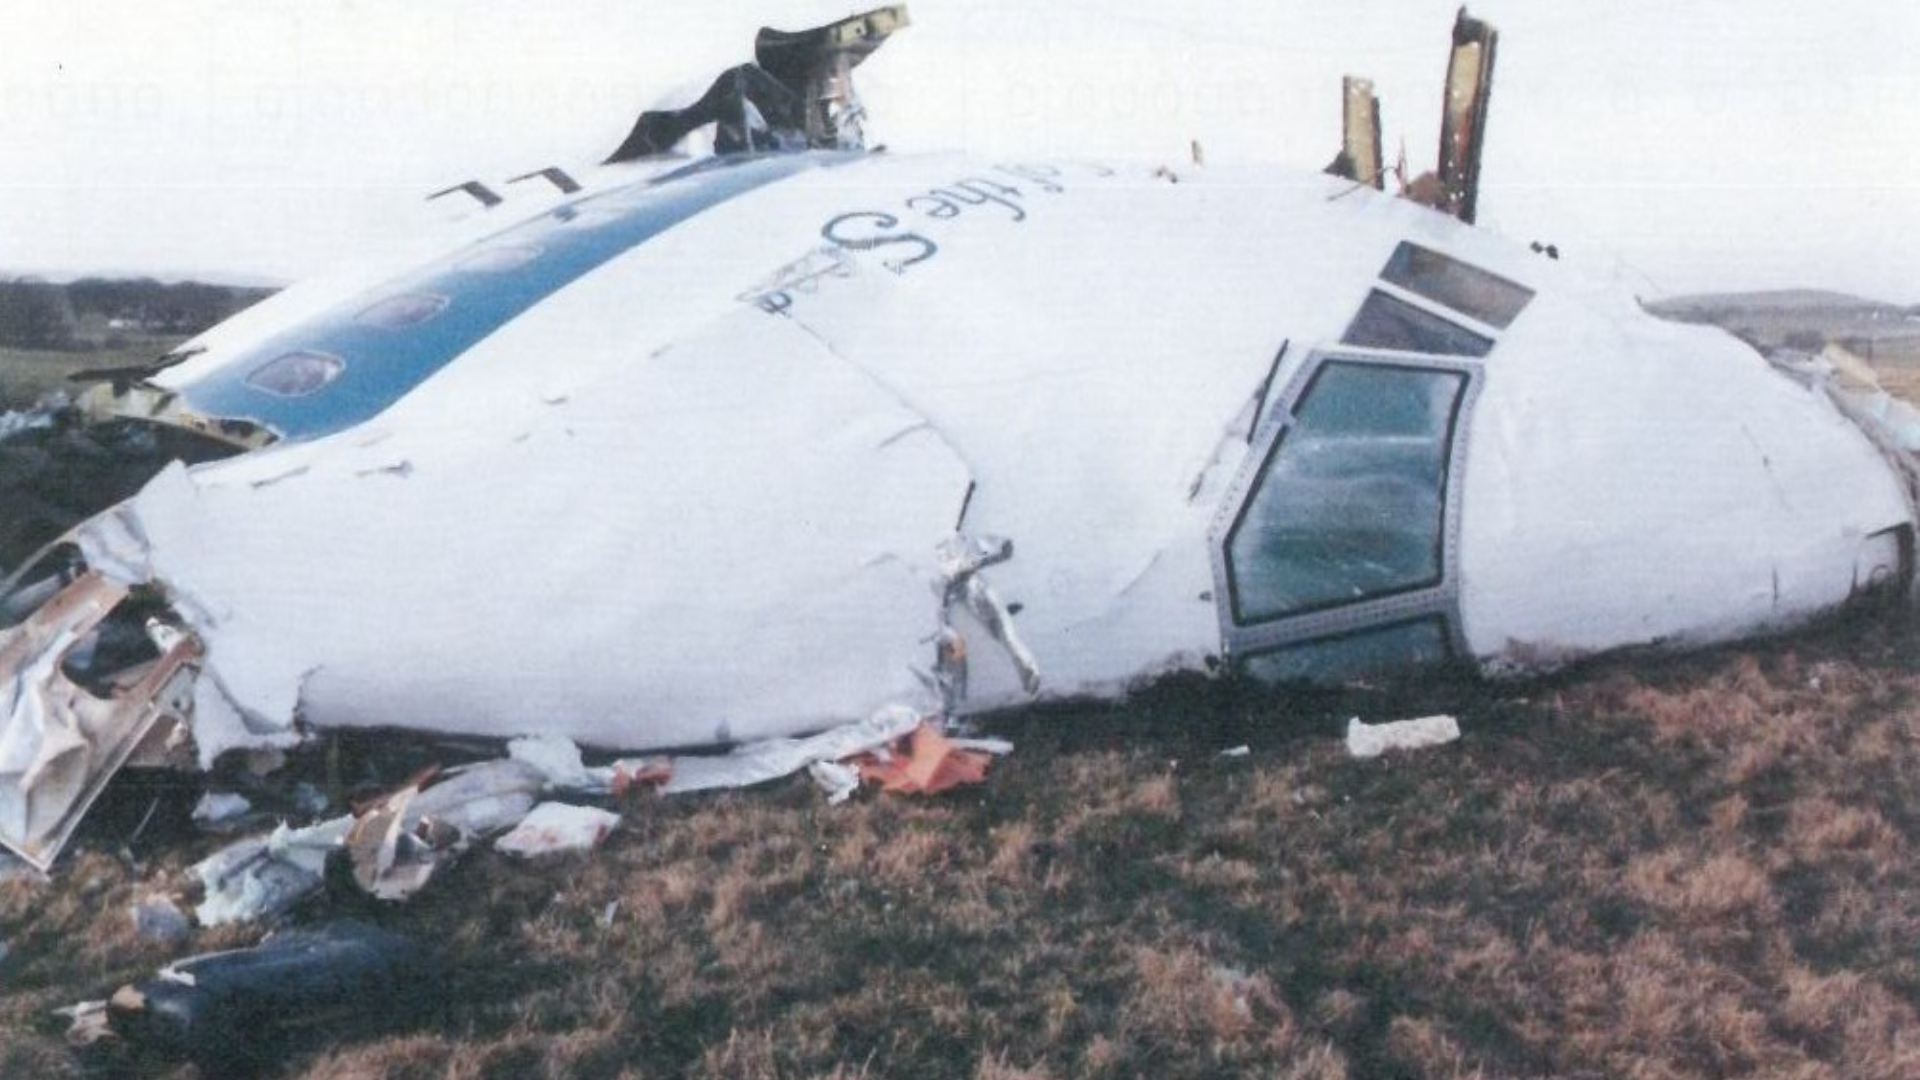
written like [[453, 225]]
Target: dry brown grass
[[1648, 869]]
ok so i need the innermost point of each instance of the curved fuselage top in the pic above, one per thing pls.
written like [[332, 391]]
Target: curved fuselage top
[[668, 462]]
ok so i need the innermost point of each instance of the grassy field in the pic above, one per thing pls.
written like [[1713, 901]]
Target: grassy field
[[1650, 869], [28, 374]]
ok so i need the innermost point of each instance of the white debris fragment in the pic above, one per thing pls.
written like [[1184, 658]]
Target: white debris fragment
[[262, 876], [558, 759], [1236, 751], [220, 809], [1372, 740], [557, 827], [86, 1023], [774, 758], [480, 799], [395, 847], [996, 747], [17, 421], [837, 780]]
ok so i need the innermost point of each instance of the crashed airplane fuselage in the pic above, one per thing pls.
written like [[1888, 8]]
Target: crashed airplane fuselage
[[681, 458]]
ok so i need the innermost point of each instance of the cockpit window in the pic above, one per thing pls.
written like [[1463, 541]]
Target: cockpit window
[[1350, 504], [1387, 322], [1364, 654], [1467, 289], [296, 374], [400, 312]]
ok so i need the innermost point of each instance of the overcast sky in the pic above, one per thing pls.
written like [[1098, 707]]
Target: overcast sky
[[1701, 146]]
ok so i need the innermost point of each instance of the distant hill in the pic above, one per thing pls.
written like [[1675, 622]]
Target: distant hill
[[1809, 301], [1806, 319], [98, 312]]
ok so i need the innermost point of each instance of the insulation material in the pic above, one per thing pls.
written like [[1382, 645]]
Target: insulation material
[[556, 828]]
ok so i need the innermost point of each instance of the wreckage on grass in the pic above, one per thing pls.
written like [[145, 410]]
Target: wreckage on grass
[[708, 451]]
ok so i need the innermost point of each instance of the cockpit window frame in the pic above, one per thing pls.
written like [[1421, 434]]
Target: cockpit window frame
[[1277, 449], [1439, 599]]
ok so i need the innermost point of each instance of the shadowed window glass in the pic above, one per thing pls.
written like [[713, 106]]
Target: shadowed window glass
[[400, 312], [1466, 289], [1366, 654], [296, 374], [1386, 322], [1351, 502]]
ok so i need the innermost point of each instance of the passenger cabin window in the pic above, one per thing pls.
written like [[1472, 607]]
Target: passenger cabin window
[[1469, 290], [1387, 322], [402, 311], [296, 374], [1350, 504]]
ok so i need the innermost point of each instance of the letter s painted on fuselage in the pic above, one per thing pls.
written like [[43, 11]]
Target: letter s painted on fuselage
[[832, 230]]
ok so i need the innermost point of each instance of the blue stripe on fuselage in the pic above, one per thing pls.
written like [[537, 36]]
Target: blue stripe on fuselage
[[382, 364]]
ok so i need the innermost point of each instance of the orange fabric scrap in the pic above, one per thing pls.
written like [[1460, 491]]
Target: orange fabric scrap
[[925, 762]]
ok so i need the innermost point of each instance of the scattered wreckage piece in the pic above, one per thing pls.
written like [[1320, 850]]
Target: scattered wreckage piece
[[234, 1012], [263, 877], [796, 94], [771, 759], [555, 828], [397, 844], [60, 466], [1371, 740], [394, 844], [1463, 123], [1453, 188], [926, 763], [1359, 158], [90, 679]]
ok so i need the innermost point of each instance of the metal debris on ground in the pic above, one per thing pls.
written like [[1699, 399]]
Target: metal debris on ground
[[1372, 740], [771, 759], [394, 844], [76, 712], [264, 876], [234, 1012]]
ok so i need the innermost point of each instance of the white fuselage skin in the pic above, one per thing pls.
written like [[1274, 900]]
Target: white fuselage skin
[[695, 495]]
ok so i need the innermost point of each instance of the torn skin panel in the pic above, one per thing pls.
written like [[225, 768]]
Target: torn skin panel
[[84, 688]]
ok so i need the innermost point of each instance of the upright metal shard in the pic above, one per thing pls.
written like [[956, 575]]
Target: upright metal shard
[[1360, 130], [1463, 122]]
